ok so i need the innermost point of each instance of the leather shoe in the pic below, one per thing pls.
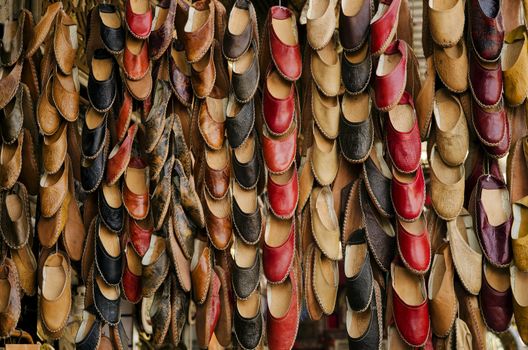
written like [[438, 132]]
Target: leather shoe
[[9, 298], [496, 299], [414, 246]]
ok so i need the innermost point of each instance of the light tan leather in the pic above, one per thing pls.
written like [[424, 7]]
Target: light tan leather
[[325, 113], [321, 22], [447, 187], [10, 162], [324, 158], [48, 118], [9, 81], [306, 182], [55, 301], [352, 217], [466, 253], [517, 170], [424, 100], [446, 21], [54, 149], [312, 305], [65, 95], [326, 69], [463, 337], [26, 265], [49, 229], [519, 233], [325, 226], [452, 66], [442, 299], [74, 232], [325, 281], [514, 65], [452, 135], [53, 189], [65, 42], [43, 28], [519, 283]]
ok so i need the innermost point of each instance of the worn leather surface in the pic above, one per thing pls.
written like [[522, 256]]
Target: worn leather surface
[[497, 305], [279, 153], [92, 171], [137, 205], [219, 229], [320, 29], [15, 233], [325, 112], [107, 309], [217, 181], [66, 96], [240, 126], [110, 268], [247, 174], [453, 66], [235, 45], [139, 24], [179, 78], [155, 271], [324, 163], [325, 225], [489, 124], [211, 128], [198, 42], [501, 150], [355, 139], [54, 149], [382, 244], [26, 265], [381, 30], [112, 218], [208, 313], [248, 226], [93, 336], [102, 93], [359, 288], [414, 247], [10, 55], [10, 315], [65, 51], [160, 312], [378, 187], [136, 66], [245, 84], [92, 140], [13, 118], [485, 82], [466, 259], [283, 198], [54, 313], [325, 73], [188, 195], [370, 340], [515, 83], [131, 283], [140, 233], [201, 275], [442, 299], [447, 25], [287, 58], [354, 30], [161, 196], [278, 113], [408, 198], [246, 279], [494, 240], [277, 261], [356, 76], [161, 38], [179, 260], [412, 321], [447, 198], [50, 229], [390, 87], [453, 144], [113, 38], [52, 196], [161, 152], [179, 303], [486, 28], [10, 78], [404, 147], [248, 331]]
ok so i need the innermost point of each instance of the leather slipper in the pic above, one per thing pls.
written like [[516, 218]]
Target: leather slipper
[[10, 297], [155, 266], [201, 271], [218, 221], [131, 280], [48, 118], [15, 224], [10, 162], [247, 321], [65, 42], [179, 261], [13, 117], [160, 312], [246, 270], [325, 226], [54, 149], [65, 94], [53, 189]]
